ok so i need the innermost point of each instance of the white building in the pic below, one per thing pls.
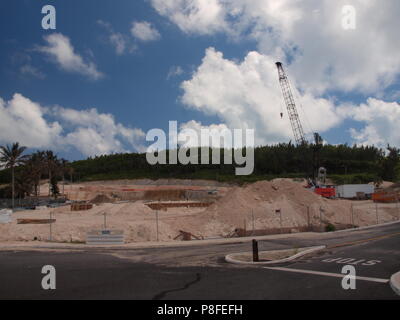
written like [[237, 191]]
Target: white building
[[349, 191]]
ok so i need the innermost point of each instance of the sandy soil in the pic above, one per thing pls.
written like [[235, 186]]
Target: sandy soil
[[132, 189], [239, 207]]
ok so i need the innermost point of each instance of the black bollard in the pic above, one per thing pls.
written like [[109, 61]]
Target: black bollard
[[255, 251]]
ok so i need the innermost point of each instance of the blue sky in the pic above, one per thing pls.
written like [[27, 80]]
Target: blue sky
[[138, 88]]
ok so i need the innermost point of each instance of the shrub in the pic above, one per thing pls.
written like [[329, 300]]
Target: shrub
[[330, 227]]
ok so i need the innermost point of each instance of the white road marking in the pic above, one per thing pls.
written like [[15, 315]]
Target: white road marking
[[328, 274], [352, 261]]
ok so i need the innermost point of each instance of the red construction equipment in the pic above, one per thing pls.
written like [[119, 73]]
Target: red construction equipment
[[327, 192]]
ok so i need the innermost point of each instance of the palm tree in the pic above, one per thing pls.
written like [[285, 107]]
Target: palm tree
[[10, 157], [65, 168], [36, 165], [50, 160]]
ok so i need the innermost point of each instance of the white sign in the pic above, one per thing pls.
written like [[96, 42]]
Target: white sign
[[5, 216]]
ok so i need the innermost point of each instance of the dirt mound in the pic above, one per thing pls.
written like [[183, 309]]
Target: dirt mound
[[101, 198], [255, 206], [390, 186], [251, 209]]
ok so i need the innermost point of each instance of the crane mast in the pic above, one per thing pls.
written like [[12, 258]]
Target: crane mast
[[291, 106]]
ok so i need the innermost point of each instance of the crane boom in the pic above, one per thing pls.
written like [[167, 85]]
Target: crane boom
[[291, 106]]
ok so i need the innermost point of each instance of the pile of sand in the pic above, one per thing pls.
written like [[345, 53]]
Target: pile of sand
[[256, 206], [101, 198], [251, 207], [136, 220]]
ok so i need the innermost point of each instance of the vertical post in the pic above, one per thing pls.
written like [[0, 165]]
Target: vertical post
[[51, 235], [105, 220], [280, 218], [352, 215], [308, 217], [252, 214], [320, 216], [377, 214], [157, 223], [255, 251], [13, 188]]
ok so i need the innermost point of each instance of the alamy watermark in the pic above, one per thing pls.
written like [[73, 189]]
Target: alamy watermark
[[349, 280], [49, 20], [349, 17], [184, 147], [49, 280]]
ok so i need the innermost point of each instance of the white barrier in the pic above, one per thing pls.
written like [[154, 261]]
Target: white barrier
[[105, 237], [5, 216]]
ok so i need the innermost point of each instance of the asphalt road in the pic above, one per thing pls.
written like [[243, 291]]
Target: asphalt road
[[199, 272]]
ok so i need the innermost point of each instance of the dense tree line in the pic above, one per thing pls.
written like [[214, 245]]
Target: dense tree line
[[345, 164]]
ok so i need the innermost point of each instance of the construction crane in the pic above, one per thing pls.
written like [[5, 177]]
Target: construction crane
[[291, 106], [319, 173]]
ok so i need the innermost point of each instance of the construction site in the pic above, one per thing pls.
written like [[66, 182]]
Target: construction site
[[172, 209], [205, 158], [148, 210]]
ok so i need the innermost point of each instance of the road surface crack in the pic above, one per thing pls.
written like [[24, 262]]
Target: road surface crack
[[162, 294]]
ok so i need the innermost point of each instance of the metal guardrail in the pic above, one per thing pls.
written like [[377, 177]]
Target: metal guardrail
[[105, 237], [31, 202]]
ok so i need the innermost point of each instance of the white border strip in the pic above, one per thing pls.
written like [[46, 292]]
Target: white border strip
[[363, 228], [395, 282], [230, 257], [328, 274]]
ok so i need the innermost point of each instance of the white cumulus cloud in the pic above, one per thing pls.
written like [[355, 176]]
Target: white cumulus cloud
[[320, 56], [247, 95], [218, 135], [90, 132], [60, 49], [380, 119], [120, 42], [23, 120], [194, 16], [101, 129], [323, 55], [174, 71], [144, 31]]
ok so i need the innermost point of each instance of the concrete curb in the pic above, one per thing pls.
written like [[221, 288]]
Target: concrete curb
[[230, 257], [363, 228], [149, 244], [395, 282], [4, 246]]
